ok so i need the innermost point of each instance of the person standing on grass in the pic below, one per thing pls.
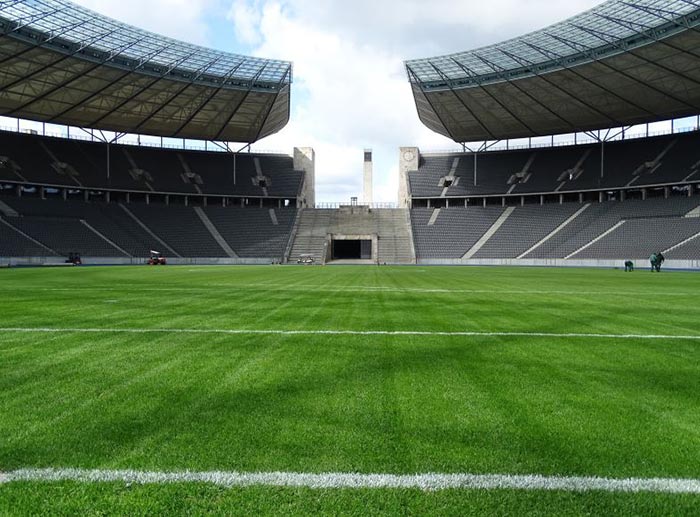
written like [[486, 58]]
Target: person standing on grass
[[659, 260]]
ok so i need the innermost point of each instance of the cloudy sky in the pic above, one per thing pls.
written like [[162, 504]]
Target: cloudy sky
[[350, 90]]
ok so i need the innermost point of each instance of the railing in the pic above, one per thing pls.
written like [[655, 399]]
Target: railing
[[583, 140], [131, 139], [334, 206]]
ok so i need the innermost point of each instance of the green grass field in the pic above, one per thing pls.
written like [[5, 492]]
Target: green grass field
[[348, 403]]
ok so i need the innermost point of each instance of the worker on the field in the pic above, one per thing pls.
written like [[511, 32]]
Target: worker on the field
[[629, 266], [659, 260]]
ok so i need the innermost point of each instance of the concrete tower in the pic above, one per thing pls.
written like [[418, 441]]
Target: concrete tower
[[367, 193]]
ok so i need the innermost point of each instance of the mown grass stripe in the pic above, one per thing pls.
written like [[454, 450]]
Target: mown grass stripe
[[302, 332], [338, 480]]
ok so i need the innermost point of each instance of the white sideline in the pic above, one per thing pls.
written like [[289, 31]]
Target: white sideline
[[304, 288], [301, 332], [426, 482]]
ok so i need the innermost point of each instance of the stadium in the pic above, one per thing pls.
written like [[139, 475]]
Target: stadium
[[532, 376]]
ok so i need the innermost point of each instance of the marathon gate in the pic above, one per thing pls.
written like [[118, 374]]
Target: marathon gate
[[351, 249]]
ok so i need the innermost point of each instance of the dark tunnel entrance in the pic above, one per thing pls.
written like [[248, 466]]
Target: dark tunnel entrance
[[351, 249]]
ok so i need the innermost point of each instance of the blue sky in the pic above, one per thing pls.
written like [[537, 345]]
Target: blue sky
[[350, 91]]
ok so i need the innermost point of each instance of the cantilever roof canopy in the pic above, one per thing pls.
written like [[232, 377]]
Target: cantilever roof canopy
[[618, 64], [64, 64]]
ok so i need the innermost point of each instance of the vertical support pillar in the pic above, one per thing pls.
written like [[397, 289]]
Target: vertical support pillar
[[305, 160], [128, 198], [644, 194], [187, 200], [580, 197], [108, 197], [367, 178], [167, 199], [667, 192], [86, 195], [148, 199], [601, 197], [408, 162], [561, 199], [522, 200], [541, 199]]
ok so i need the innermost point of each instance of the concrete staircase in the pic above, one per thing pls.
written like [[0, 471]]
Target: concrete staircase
[[390, 225], [311, 235], [394, 230], [7, 210]]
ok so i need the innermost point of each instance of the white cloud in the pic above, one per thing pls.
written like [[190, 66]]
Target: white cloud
[[246, 19], [180, 19], [350, 89]]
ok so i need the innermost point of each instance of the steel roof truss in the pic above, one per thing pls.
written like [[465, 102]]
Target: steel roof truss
[[594, 58], [139, 92], [500, 70], [558, 87], [603, 37], [487, 92], [464, 104], [172, 98]]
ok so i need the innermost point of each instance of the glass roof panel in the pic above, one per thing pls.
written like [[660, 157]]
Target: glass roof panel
[[611, 21], [78, 25]]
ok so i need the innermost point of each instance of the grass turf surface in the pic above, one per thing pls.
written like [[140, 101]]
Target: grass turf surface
[[371, 404]]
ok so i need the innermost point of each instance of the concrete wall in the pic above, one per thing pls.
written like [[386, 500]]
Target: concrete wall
[[305, 160], [408, 161], [639, 263], [122, 261]]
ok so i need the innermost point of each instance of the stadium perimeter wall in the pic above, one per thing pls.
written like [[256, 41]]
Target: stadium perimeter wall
[[121, 261], [640, 263]]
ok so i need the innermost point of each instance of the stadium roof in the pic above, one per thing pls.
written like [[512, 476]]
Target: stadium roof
[[65, 64], [618, 64]]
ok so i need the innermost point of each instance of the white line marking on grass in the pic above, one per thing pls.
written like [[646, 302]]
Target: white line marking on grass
[[427, 482], [360, 289], [274, 332]]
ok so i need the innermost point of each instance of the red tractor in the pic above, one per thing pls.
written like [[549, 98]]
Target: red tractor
[[157, 259]]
